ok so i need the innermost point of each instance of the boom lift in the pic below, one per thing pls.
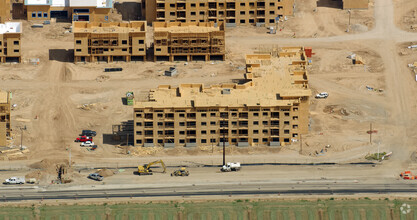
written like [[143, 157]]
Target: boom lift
[[145, 169]]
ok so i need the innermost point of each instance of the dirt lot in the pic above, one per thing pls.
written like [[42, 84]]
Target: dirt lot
[[406, 15], [57, 99], [312, 20]]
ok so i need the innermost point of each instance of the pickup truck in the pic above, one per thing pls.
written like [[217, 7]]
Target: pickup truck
[[87, 144], [230, 167], [83, 139], [95, 176], [322, 95], [15, 180], [88, 133]]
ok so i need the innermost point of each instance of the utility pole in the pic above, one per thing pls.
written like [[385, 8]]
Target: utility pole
[[224, 145], [21, 136], [211, 140], [349, 21], [70, 156], [370, 133], [349, 16]]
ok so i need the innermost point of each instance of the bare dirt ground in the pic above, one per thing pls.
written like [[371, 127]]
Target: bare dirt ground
[[50, 96], [406, 15], [312, 19]]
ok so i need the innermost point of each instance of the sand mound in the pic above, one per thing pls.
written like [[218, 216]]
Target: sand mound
[[49, 164], [34, 174], [105, 172]]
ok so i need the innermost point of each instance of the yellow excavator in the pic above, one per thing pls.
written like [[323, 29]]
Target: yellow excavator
[[146, 168]]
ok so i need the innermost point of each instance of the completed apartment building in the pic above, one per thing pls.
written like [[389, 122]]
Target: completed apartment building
[[232, 12], [76, 10], [5, 127], [5, 8], [189, 41], [10, 44], [270, 108], [113, 41]]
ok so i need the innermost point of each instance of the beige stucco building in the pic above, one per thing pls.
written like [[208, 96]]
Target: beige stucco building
[[10, 42], [113, 41], [5, 127], [232, 12], [355, 4], [189, 41], [5, 9], [75, 10], [271, 107]]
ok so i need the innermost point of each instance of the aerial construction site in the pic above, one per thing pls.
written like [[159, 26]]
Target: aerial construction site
[[209, 100]]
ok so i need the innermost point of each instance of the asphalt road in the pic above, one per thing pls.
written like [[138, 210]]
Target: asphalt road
[[18, 193]]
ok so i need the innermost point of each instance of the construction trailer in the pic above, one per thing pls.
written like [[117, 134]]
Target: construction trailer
[[75, 10], [5, 9], [271, 108], [193, 41], [5, 127], [10, 42], [231, 12], [108, 42]]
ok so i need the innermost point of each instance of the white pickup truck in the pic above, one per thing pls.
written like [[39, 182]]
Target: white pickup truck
[[87, 144], [15, 180], [230, 167]]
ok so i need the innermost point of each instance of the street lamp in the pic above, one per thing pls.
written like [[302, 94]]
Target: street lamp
[[349, 21], [69, 156], [21, 137]]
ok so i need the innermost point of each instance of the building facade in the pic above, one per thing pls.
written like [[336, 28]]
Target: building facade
[[232, 12], [5, 128], [5, 9], [76, 10], [10, 42], [270, 108], [189, 41], [114, 41], [355, 4]]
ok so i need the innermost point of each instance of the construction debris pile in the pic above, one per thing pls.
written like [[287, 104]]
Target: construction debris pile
[[13, 153], [52, 171]]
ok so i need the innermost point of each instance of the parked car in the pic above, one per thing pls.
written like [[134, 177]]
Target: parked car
[[88, 133], [87, 144], [15, 180], [322, 95], [83, 139], [96, 176]]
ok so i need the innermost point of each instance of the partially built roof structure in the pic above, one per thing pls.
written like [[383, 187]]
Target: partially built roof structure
[[270, 107], [189, 41], [231, 12], [5, 127], [113, 41]]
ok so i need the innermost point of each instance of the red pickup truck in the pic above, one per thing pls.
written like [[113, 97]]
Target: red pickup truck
[[83, 139]]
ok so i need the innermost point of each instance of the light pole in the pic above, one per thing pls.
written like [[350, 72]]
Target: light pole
[[349, 21], [21, 137], [224, 144], [69, 156]]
